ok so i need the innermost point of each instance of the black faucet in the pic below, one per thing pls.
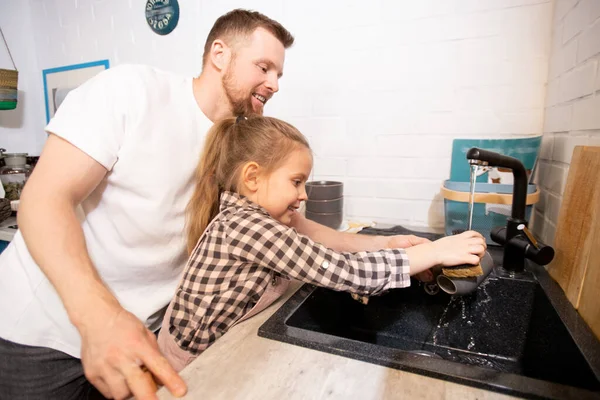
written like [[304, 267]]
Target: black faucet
[[515, 236]]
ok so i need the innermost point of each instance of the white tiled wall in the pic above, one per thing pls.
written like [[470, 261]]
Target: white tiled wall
[[380, 87], [572, 114]]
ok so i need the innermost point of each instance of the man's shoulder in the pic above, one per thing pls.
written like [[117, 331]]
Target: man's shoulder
[[143, 72], [131, 78], [148, 85]]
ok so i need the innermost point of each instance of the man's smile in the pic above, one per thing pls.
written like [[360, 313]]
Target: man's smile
[[261, 98]]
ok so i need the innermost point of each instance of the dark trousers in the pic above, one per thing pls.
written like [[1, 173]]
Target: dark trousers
[[32, 373]]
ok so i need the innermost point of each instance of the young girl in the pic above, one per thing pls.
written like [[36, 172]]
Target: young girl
[[250, 182]]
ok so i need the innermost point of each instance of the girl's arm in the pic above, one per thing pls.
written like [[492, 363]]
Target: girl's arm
[[341, 241], [257, 239]]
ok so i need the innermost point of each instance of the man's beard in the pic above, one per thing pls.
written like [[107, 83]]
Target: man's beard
[[241, 103]]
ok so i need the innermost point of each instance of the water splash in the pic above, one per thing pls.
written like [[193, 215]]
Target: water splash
[[486, 296], [441, 322], [471, 343]]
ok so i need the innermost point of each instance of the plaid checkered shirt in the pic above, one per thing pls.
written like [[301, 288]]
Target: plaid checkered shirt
[[243, 250]]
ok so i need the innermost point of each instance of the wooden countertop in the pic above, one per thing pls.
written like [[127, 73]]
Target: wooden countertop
[[242, 365]]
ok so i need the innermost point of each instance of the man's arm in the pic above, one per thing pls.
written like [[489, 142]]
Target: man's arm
[[114, 342], [342, 241]]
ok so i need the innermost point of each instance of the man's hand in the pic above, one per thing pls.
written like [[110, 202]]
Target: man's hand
[[404, 241], [118, 352]]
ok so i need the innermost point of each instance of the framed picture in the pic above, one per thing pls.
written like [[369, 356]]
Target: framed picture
[[58, 82]]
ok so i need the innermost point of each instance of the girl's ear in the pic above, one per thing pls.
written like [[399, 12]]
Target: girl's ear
[[220, 54], [250, 176]]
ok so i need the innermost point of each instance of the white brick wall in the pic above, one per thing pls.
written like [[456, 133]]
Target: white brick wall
[[572, 111], [380, 87], [21, 130]]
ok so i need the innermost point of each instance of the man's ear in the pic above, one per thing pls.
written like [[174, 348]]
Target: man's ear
[[251, 176], [220, 54]]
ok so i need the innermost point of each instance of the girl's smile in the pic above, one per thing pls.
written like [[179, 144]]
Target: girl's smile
[[282, 191]]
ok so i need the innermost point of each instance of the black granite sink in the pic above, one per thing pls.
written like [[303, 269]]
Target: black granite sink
[[513, 335]]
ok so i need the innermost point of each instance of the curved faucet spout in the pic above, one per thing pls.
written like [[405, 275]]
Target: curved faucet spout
[[475, 155], [514, 237]]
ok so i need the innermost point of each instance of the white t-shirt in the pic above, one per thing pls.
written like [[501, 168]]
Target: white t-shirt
[[145, 127]]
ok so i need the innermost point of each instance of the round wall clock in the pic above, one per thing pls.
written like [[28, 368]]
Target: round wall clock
[[162, 15]]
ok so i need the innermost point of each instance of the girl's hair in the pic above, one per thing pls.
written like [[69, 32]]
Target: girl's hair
[[228, 146]]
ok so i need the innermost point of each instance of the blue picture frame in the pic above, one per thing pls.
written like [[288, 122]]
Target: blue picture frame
[[66, 78]]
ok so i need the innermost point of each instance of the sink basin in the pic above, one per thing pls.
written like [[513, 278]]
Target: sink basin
[[515, 335]]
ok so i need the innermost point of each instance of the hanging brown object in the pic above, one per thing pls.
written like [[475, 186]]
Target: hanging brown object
[[8, 83]]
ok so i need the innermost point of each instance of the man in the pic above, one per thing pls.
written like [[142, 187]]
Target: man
[[101, 247]]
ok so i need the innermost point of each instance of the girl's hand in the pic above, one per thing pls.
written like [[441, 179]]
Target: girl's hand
[[465, 248], [404, 241], [429, 275], [425, 276]]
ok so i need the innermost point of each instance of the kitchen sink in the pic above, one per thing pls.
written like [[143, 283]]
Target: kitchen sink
[[515, 334]]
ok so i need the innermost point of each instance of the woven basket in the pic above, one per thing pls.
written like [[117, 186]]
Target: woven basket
[[8, 88]]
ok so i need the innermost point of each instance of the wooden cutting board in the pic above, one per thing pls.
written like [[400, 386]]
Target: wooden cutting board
[[589, 300], [576, 266]]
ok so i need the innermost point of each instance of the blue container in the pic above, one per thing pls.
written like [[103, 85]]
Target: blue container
[[524, 149], [487, 215]]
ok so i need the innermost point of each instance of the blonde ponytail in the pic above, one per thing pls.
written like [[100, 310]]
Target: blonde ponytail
[[229, 145], [204, 204]]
